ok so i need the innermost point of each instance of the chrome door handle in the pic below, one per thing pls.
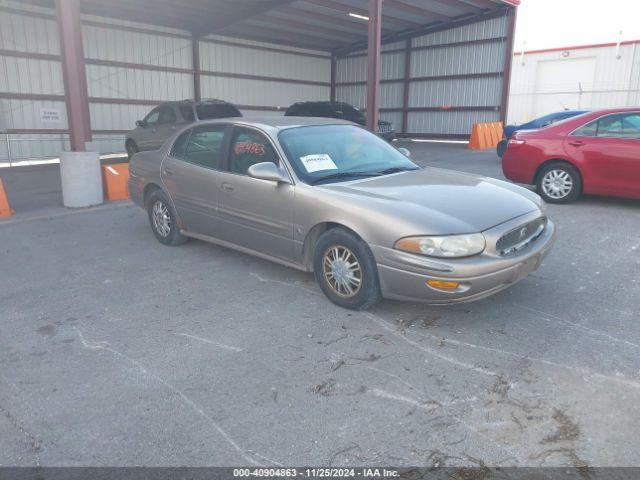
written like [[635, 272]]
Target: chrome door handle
[[577, 143], [227, 187]]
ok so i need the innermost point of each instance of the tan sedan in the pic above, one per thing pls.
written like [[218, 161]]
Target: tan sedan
[[327, 196]]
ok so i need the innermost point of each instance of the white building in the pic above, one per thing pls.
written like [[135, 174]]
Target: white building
[[583, 77]]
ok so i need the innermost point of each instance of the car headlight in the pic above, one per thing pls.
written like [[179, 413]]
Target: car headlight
[[452, 246]]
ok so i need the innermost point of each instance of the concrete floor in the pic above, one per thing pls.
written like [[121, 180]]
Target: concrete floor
[[116, 350]]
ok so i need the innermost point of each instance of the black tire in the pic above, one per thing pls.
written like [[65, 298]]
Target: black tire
[[567, 190], [131, 148], [368, 292], [502, 147], [163, 219]]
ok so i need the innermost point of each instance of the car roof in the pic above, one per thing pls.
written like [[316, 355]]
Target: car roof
[[204, 101], [616, 110], [321, 102], [279, 122]]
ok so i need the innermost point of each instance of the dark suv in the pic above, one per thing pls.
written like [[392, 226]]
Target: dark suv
[[162, 121], [341, 110]]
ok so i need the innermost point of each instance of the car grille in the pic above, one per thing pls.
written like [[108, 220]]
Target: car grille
[[520, 237], [384, 127]]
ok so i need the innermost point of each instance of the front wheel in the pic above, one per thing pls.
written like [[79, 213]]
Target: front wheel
[[345, 270], [559, 183], [163, 219]]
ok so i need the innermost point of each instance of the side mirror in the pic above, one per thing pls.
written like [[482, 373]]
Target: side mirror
[[141, 123], [267, 171], [405, 152]]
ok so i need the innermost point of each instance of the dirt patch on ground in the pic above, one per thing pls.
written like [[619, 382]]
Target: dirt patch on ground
[[567, 430], [325, 388]]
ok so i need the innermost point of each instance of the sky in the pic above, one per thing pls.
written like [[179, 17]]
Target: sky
[[562, 23]]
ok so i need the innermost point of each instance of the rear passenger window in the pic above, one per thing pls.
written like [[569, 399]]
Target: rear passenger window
[[613, 126], [167, 115], [180, 145], [203, 147], [588, 130], [248, 148], [620, 126]]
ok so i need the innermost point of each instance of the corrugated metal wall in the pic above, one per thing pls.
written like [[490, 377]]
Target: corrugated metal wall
[[277, 78], [29, 76], [467, 63], [613, 82], [131, 67]]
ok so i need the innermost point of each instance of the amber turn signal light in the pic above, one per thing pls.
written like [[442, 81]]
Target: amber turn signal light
[[443, 284]]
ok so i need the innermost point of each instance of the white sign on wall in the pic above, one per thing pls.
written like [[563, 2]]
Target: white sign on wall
[[50, 116]]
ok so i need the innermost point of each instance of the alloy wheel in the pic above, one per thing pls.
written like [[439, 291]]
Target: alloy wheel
[[557, 184], [161, 219], [342, 271]]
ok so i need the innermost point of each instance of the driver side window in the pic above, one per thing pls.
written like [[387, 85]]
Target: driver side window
[[153, 117], [249, 147]]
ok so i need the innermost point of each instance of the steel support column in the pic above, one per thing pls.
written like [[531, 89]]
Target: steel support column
[[195, 51], [508, 61], [373, 64], [74, 73], [407, 86], [334, 66]]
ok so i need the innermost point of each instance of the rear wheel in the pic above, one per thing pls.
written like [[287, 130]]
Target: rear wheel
[[559, 183], [345, 270], [131, 148], [163, 219]]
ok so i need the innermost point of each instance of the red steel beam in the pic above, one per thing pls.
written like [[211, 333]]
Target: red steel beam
[[74, 74], [373, 64], [508, 60]]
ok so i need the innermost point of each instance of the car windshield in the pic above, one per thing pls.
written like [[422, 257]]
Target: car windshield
[[330, 153]]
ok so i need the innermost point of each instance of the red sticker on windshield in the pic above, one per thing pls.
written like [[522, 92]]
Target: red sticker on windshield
[[249, 148]]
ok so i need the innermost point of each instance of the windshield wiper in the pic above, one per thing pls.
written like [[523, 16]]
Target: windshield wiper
[[346, 175], [396, 170]]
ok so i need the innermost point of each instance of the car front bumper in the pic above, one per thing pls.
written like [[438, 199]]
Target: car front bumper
[[403, 276]]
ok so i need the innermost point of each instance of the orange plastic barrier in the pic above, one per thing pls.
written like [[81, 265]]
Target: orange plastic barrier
[[485, 135], [5, 209], [114, 178]]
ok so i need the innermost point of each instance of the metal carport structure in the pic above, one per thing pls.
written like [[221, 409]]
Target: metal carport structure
[[431, 66]]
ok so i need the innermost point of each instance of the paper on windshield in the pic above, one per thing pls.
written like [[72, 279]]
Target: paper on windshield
[[318, 162]]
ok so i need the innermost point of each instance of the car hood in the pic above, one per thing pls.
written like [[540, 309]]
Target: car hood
[[440, 202]]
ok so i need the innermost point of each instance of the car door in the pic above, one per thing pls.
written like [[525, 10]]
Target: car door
[[255, 214], [609, 150], [190, 173]]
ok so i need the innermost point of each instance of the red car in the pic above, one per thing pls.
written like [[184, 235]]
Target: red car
[[594, 153]]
